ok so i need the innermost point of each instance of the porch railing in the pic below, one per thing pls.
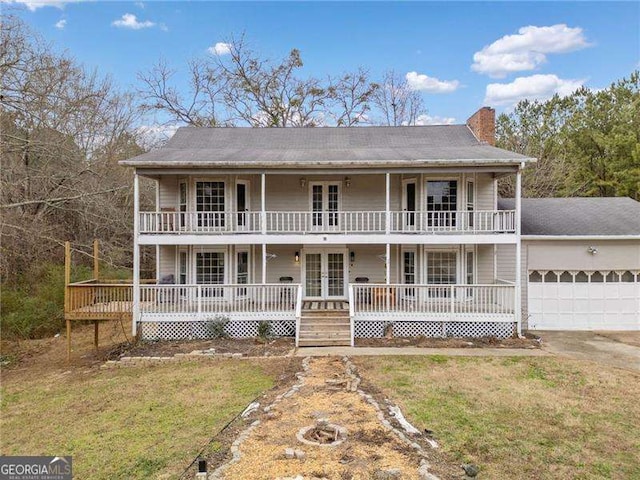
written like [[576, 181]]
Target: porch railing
[[242, 301], [91, 300], [481, 221], [433, 302], [344, 222]]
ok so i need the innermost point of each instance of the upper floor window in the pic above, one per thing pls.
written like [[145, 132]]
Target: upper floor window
[[442, 202]]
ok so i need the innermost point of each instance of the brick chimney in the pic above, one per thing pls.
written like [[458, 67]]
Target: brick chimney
[[483, 125]]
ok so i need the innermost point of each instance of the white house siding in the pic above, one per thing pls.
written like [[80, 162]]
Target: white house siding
[[167, 263], [168, 190], [484, 264], [366, 192]]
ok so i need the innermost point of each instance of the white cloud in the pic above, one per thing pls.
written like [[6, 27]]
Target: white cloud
[[60, 24], [422, 82], [535, 87], [527, 49], [139, 4], [129, 20], [220, 49], [435, 120], [33, 5]]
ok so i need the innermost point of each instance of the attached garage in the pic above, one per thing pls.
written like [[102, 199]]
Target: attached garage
[[581, 263]]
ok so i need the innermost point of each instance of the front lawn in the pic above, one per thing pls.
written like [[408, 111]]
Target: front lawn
[[525, 418], [135, 422]]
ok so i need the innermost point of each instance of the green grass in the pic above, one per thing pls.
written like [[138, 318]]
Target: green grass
[[128, 423], [525, 418]]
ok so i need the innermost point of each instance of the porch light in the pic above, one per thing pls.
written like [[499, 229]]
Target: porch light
[[592, 250], [347, 182], [303, 182], [352, 257], [297, 256], [271, 256]]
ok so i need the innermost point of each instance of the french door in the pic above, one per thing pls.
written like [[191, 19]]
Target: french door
[[325, 204], [324, 275]]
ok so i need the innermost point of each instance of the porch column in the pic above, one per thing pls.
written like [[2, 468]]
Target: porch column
[[264, 263], [136, 256], [388, 263], [518, 292], [263, 203], [387, 203]]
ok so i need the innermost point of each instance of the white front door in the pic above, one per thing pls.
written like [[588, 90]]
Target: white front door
[[325, 275]]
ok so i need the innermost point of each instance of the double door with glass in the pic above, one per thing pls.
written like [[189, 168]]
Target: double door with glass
[[324, 275]]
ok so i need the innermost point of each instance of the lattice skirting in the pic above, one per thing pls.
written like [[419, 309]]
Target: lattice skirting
[[189, 330], [375, 329]]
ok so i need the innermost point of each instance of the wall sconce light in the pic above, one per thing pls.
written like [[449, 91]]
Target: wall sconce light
[[352, 257], [297, 256], [347, 182], [271, 256], [592, 250], [303, 182]]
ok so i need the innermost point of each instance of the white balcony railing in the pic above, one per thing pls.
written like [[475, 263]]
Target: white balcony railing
[[342, 222], [433, 302], [240, 301]]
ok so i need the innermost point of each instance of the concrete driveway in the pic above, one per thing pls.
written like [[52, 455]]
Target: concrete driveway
[[617, 349]]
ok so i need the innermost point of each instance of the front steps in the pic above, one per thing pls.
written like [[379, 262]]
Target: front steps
[[323, 328]]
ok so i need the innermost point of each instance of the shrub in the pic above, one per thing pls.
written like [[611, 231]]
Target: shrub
[[264, 330], [215, 326]]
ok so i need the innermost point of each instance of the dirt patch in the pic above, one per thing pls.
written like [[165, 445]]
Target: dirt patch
[[629, 338], [427, 342], [249, 347], [369, 447]]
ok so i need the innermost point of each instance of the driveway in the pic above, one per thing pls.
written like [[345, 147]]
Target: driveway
[[617, 349]]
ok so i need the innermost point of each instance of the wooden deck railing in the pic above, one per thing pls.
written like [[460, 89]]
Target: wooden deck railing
[[90, 300], [340, 222]]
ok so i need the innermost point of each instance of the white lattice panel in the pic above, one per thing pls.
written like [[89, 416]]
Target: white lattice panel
[[202, 330], [375, 329]]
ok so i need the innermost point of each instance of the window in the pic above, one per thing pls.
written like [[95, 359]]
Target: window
[[409, 272], [566, 277], [469, 272], [627, 277], [316, 204], [182, 268], [581, 277], [613, 277], [210, 271], [535, 277], [242, 271], [182, 205], [441, 268], [442, 201], [210, 204], [597, 277], [470, 201], [550, 277]]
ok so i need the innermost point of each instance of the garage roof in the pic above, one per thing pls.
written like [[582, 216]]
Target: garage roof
[[325, 146], [578, 216]]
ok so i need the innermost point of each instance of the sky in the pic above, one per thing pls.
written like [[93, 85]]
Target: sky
[[459, 55]]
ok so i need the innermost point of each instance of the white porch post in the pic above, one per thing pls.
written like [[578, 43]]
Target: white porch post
[[388, 263], [136, 255], [264, 263], [387, 203], [263, 204], [518, 292], [158, 246]]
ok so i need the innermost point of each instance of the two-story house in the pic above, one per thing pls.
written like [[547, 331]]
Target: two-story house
[[329, 233]]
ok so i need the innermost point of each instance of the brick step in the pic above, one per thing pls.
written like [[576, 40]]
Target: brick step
[[324, 343]]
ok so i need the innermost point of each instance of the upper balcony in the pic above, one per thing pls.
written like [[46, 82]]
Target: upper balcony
[[329, 222]]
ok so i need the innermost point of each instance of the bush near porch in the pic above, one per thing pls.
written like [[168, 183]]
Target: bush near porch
[[525, 418]]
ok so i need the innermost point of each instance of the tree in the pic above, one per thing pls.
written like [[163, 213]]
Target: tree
[[243, 88], [397, 103], [62, 130], [587, 144]]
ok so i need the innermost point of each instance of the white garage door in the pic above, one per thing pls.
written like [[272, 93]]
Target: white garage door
[[585, 300]]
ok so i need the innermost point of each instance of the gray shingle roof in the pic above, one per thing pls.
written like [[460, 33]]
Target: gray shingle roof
[[577, 216], [360, 146]]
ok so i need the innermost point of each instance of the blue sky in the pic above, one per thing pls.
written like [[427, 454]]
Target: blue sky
[[521, 49]]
